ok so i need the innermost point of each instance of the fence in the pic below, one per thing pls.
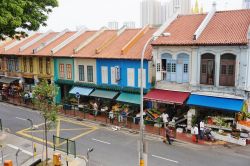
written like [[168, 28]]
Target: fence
[[65, 145], [130, 122]]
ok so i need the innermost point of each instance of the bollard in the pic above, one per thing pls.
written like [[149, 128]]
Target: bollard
[[57, 159], [34, 150], [8, 163]]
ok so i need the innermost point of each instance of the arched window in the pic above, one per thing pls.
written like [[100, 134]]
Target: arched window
[[182, 68], [227, 70], [207, 69], [168, 67]]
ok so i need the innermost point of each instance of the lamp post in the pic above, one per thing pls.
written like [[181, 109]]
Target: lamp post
[[32, 127], [141, 143], [89, 150]]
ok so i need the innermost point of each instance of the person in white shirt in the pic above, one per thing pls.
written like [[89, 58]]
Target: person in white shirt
[[202, 126], [165, 117], [196, 132]]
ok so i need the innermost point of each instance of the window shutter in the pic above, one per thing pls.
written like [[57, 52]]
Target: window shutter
[[131, 77]]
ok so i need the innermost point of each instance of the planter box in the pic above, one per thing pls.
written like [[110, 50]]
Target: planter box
[[228, 138]]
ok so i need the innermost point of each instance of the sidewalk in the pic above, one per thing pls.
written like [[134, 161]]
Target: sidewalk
[[12, 143]]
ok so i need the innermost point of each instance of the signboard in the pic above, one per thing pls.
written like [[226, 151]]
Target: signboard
[[78, 95]]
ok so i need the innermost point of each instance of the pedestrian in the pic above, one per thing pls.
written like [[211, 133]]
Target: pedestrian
[[165, 117], [111, 117], [168, 134], [196, 133], [202, 126], [95, 107]]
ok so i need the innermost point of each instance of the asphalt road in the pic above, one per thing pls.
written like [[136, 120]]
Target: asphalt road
[[113, 148]]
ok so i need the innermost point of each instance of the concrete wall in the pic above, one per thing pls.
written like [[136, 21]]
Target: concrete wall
[[85, 62], [124, 65]]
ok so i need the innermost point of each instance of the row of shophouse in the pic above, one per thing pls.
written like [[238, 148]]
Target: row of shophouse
[[200, 60]]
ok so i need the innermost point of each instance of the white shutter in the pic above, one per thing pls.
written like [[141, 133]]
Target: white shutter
[[113, 73], [130, 77], [104, 74], [158, 70], [143, 78]]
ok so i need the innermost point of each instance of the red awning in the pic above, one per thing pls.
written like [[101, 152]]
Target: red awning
[[166, 96]]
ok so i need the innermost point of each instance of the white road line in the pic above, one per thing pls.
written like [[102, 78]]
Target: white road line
[[21, 118], [24, 151], [159, 157], [101, 141]]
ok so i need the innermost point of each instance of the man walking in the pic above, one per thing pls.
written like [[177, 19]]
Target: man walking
[[168, 133], [202, 126], [196, 133]]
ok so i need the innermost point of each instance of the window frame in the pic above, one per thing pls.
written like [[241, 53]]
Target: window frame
[[69, 71], [61, 70], [90, 75], [81, 73]]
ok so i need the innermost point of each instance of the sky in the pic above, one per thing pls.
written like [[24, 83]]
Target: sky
[[95, 14]]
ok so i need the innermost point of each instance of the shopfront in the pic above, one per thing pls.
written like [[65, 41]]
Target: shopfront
[[217, 112], [170, 102]]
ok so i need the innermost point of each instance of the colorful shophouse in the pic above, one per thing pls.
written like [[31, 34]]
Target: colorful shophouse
[[206, 55], [20, 64]]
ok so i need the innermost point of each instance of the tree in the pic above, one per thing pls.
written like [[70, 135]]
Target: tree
[[44, 95], [16, 16]]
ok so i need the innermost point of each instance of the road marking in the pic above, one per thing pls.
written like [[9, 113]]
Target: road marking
[[101, 141], [76, 129], [21, 119], [24, 151], [159, 157]]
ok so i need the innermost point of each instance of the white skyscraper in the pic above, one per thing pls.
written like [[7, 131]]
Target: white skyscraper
[[156, 12], [113, 25], [129, 24], [246, 4]]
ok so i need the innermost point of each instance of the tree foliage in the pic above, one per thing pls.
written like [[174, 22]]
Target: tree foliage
[[16, 16], [43, 97]]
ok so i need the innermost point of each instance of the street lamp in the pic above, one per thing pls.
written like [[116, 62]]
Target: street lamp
[[31, 128], [141, 144]]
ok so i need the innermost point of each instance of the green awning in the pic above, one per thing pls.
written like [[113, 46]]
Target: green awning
[[104, 94], [8, 80], [129, 98]]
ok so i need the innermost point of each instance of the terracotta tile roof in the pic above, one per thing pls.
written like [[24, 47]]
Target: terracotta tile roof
[[29, 50], [114, 49], [68, 50], [89, 50], [15, 50], [4, 44], [225, 28], [47, 49]]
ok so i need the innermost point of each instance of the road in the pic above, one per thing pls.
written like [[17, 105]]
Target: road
[[113, 148]]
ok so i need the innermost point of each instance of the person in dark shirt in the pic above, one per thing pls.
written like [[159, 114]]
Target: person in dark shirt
[[168, 134]]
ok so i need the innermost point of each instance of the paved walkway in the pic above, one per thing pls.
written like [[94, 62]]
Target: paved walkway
[[12, 143]]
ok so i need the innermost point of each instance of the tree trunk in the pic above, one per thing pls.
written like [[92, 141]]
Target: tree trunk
[[46, 140]]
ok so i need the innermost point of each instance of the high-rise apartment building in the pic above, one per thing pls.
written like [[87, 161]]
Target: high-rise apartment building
[[246, 4], [156, 12], [129, 24], [113, 25]]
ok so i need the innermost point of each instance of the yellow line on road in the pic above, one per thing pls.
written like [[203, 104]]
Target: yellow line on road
[[77, 123], [37, 131], [35, 138]]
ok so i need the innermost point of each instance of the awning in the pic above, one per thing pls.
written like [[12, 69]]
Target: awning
[[81, 90], [104, 94], [166, 96], [233, 105], [8, 80], [129, 98]]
